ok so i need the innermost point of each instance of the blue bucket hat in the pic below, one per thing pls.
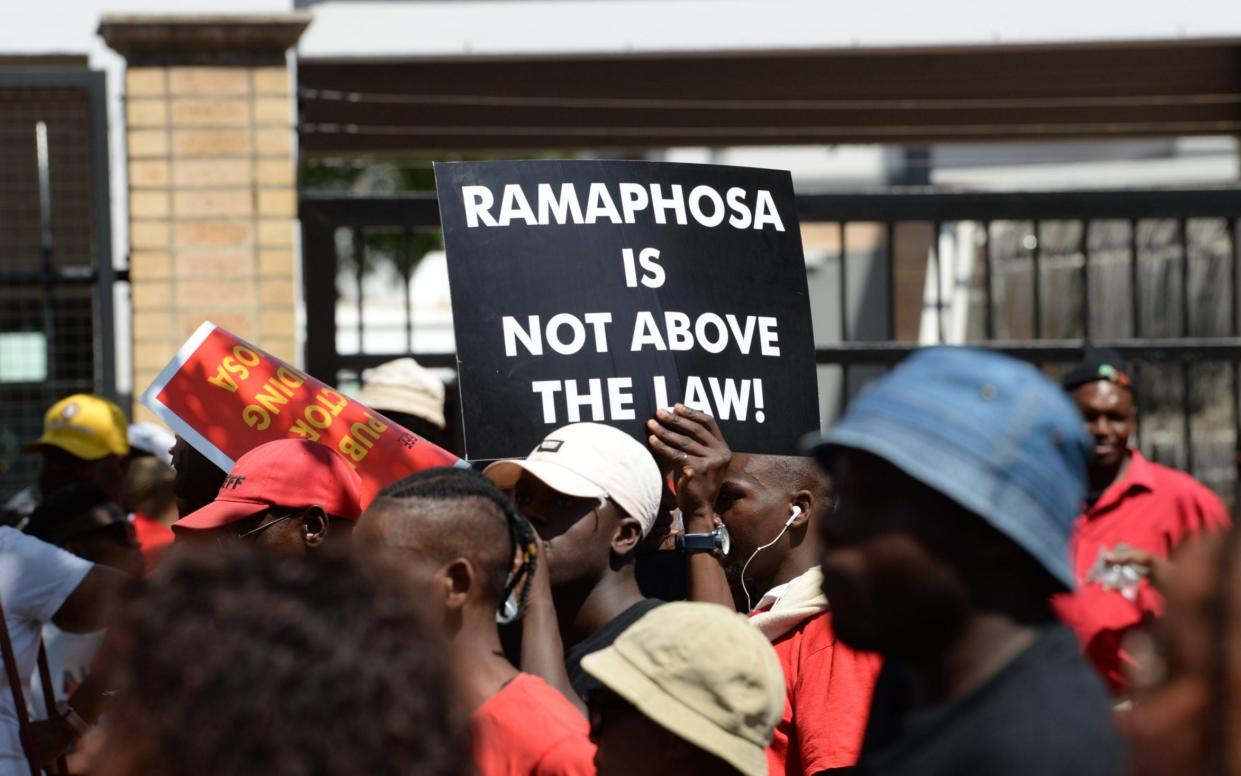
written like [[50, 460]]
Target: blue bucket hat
[[990, 432]]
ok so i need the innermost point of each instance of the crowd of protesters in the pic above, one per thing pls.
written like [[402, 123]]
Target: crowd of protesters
[[972, 571]]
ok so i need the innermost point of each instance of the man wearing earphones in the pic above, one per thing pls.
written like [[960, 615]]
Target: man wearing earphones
[[751, 541]]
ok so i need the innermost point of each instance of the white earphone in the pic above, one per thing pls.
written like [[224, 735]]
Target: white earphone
[[787, 525], [796, 514]]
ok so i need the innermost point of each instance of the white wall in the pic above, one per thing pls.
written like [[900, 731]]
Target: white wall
[[482, 27]]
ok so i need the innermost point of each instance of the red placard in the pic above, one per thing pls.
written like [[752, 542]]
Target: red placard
[[226, 397]]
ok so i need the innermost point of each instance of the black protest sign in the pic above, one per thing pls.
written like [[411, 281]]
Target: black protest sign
[[602, 290]]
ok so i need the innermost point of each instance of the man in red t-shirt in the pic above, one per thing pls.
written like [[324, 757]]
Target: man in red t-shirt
[[770, 506], [1137, 513], [465, 542]]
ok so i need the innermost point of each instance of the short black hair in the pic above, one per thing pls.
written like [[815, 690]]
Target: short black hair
[[240, 662], [447, 484]]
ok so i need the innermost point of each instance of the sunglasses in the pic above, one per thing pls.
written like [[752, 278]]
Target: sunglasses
[[230, 538]]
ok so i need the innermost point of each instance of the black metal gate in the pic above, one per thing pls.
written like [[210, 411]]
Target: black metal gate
[[1153, 273], [56, 277]]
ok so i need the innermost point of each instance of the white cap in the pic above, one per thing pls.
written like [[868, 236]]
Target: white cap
[[404, 385], [151, 438], [591, 460]]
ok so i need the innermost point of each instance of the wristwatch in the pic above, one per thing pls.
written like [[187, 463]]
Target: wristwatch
[[717, 541]]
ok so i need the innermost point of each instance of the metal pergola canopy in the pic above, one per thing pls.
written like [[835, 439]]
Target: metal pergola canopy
[[897, 96]]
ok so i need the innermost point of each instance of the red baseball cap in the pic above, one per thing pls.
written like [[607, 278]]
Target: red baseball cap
[[288, 473]]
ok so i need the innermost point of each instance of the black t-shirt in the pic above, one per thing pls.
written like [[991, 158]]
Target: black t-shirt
[[583, 682], [1044, 713]]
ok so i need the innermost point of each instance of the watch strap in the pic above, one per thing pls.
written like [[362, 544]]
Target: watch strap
[[697, 542]]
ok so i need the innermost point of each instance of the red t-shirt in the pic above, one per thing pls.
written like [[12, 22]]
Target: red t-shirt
[[152, 535], [828, 689], [1151, 508], [529, 728]]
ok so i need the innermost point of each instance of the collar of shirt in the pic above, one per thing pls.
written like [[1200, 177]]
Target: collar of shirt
[[771, 598], [1138, 476]]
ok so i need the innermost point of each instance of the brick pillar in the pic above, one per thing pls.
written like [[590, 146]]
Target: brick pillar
[[209, 108]]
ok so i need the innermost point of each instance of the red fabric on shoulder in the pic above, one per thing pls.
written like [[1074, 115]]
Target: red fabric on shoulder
[[153, 536], [529, 728], [828, 693]]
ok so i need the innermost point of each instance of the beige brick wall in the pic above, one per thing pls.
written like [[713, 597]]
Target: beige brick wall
[[212, 202]]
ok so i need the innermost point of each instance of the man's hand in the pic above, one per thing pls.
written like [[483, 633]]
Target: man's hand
[[47, 739], [539, 596], [692, 443], [542, 649], [1157, 569]]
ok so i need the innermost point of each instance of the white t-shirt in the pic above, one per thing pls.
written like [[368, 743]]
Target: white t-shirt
[[69, 658], [35, 580]]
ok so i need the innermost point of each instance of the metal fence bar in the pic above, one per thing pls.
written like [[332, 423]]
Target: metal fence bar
[[1216, 349], [359, 362], [843, 275], [46, 264], [1234, 289], [1187, 421], [1084, 244], [1135, 279], [1182, 234], [989, 260], [890, 255], [1172, 349], [358, 238], [101, 239], [1101, 205], [1036, 259], [319, 264], [414, 209], [939, 282], [407, 275], [844, 318]]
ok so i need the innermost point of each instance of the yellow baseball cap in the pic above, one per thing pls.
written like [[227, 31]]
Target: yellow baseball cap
[[703, 673], [87, 426]]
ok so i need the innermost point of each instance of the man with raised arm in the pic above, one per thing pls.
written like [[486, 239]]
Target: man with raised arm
[[770, 506]]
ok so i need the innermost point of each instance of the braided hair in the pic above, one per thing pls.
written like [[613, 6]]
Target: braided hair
[[451, 483]]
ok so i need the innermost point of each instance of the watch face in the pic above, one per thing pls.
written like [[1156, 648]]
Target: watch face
[[725, 541]]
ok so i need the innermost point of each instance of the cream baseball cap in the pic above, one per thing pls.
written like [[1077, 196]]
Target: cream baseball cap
[[591, 460], [702, 672]]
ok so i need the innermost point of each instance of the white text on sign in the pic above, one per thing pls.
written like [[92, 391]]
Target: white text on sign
[[603, 399], [567, 334]]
